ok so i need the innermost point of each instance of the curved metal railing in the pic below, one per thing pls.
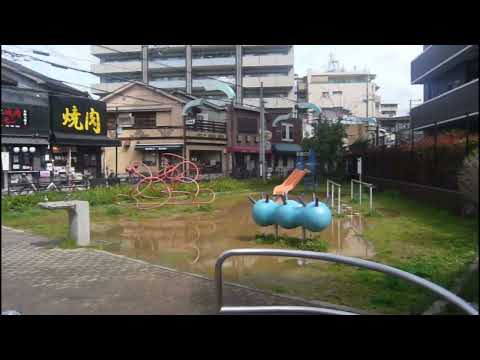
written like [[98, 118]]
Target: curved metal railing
[[438, 290]]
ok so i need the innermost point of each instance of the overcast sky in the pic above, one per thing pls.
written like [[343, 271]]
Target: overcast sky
[[391, 64]]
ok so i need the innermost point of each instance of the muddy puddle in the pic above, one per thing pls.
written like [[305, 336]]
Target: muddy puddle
[[193, 242]]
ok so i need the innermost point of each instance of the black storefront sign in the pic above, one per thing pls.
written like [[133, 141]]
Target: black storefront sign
[[79, 121], [24, 113]]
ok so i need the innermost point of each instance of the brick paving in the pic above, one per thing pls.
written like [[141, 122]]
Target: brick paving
[[37, 279]]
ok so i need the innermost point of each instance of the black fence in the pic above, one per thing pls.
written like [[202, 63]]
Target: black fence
[[425, 158]]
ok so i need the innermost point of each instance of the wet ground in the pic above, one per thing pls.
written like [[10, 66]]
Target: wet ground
[[192, 243]]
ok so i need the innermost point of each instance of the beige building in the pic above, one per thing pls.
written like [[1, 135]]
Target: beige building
[[348, 90], [149, 122]]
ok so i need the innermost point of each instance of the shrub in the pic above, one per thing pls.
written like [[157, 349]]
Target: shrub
[[468, 180]]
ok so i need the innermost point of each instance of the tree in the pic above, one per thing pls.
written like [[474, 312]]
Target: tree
[[327, 142]]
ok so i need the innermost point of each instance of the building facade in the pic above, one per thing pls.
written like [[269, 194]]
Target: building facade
[[48, 129], [148, 123], [348, 90], [191, 68], [449, 75]]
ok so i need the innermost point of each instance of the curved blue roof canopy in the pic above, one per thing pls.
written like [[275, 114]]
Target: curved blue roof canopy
[[316, 109]]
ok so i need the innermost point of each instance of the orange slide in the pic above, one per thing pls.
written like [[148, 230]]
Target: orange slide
[[289, 184]]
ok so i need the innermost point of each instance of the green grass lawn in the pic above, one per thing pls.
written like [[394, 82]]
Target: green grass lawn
[[406, 234]]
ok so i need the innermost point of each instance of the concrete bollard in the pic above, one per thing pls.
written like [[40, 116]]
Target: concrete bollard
[[79, 218]]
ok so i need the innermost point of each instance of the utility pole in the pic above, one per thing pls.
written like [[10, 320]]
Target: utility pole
[[262, 135], [145, 64], [116, 145], [368, 78]]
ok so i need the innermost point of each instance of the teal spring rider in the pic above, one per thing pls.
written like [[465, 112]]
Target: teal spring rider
[[314, 216]]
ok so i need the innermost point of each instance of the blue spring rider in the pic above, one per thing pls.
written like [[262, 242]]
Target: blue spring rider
[[314, 216]]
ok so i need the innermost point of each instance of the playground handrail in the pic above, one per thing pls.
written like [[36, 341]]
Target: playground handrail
[[363, 183], [438, 290]]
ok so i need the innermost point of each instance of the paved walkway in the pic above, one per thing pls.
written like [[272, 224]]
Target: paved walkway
[[40, 280]]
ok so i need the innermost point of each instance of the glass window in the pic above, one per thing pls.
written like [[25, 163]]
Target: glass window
[[145, 119]]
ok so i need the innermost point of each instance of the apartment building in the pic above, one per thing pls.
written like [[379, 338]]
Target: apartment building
[[388, 110], [449, 75], [343, 89], [191, 68]]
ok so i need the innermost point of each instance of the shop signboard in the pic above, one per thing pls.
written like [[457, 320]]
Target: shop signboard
[[78, 116], [24, 113]]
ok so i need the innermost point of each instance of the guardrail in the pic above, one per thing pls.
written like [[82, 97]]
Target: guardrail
[[360, 183], [436, 289], [331, 187]]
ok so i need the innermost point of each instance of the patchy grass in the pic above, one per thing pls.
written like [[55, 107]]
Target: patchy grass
[[425, 241]]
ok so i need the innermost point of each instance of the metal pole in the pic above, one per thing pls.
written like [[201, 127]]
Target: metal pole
[[360, 191], [116, 146], [333, 196], [371, 201], [360, 187], [339, 195], [351, 189], [328, 193], [368, 78], [262, 135], [145, 64]]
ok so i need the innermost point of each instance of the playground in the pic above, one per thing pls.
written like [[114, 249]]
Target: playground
[[402, 233]]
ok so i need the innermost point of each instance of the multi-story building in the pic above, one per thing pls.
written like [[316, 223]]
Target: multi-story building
[[192, 67], [388, 110], [449, 74], [348, 90]]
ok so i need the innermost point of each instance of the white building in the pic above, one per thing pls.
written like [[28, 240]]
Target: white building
[[388, 110], [190, 67], [348, 90]]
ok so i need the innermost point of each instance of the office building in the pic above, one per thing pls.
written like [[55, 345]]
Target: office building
[[192, 68]]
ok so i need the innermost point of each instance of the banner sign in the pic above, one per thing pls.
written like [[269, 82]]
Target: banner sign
[[78, 115]]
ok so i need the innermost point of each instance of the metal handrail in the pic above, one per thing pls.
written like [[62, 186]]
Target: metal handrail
[[438, 290]]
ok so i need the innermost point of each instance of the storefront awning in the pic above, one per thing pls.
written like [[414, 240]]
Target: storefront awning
[[287, 148], [158, 147], [245, 149], [84, 140], [16, 140]]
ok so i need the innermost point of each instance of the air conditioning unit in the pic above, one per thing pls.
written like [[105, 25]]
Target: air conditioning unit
[[125, 120], [202, 117]]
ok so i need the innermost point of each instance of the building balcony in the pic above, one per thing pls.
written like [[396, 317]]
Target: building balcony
[[270, 103], [268, 81], [154, 65], [437, 59], [100, 50], [267, 60], [449, 106], [227, 62]]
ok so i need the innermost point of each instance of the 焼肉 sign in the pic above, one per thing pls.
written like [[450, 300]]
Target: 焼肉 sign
[[78, 115]]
